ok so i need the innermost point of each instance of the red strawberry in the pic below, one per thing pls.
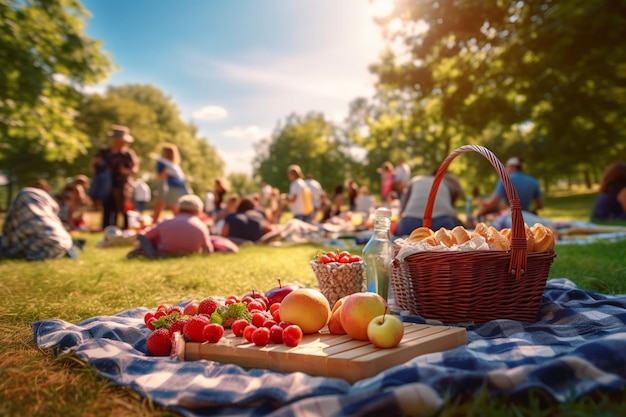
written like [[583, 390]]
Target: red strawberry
[[159, 343], [178, 326], [194, 328], [208, 306]]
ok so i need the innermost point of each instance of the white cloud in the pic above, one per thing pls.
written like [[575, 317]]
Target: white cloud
[[249, 132], [210, 113]]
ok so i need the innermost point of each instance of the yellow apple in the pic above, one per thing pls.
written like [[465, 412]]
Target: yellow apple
[[358, 310], [385, 331]]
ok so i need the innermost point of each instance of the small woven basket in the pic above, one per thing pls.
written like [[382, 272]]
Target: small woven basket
[[474, 286], [337, 279]]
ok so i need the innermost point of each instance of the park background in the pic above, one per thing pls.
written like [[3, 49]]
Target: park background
[[541, 79]]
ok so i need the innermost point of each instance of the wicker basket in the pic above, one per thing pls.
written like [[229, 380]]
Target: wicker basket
[[337, 280], [474, 286]]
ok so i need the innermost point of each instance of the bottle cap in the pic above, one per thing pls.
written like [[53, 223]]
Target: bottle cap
[[383, 212]]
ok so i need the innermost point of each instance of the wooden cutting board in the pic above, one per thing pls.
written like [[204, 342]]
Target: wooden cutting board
[[323, 354]]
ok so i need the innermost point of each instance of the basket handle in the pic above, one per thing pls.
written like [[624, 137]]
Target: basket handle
[[517, 264]]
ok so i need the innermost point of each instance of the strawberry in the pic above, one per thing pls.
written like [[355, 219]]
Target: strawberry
[[178, 326], [159, 343], [194, 328], [208, 306]]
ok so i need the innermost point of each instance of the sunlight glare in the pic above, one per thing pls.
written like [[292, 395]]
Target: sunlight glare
[[381, 8]]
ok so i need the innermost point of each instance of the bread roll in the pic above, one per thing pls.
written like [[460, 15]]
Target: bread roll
[[481, 229], [543, 238], [496, 240], [506, 233], [420, 234], [431, 240], [444, 236], [460, 235]]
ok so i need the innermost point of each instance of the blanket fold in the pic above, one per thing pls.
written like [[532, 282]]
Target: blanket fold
[[577, 345]]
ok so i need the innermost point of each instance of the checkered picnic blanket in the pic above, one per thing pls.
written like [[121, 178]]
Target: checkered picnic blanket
[[577, 345]]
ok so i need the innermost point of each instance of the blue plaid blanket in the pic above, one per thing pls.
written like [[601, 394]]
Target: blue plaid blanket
[[578, 345]]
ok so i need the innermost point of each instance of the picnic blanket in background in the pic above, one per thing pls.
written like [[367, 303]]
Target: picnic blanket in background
[[577, 345]]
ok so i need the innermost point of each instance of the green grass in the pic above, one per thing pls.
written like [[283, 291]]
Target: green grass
[[103, 281]]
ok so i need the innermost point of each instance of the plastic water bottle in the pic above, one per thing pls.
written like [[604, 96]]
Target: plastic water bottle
[[378, 254]]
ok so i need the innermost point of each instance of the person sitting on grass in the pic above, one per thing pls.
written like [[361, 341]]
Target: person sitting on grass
[[32, 227], [184, 234], [246, 225]]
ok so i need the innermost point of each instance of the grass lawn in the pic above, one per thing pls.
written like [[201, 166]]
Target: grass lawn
[[103, 281]]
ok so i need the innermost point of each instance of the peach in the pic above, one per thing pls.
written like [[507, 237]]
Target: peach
[[306, 307], [358, 310]]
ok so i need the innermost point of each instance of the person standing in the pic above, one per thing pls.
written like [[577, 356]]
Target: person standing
[[353, 191], [122, 163], [386, 179], [401, 177], [141, 195], [175, 185], [527, 187], [300, 197]]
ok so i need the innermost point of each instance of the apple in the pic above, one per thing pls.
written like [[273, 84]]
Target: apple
[[256, 295], [385, 331], [276, 294], [358, 310]]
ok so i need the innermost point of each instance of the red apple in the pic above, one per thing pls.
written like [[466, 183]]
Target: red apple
[[385, 331], [276, 294], [358, 310]]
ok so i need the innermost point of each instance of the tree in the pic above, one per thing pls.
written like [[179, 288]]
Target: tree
[[311, 142], [46, 60], [541, 78], [154, 120]]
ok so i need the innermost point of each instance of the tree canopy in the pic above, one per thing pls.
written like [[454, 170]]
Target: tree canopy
[[46, 60], [543, 79]]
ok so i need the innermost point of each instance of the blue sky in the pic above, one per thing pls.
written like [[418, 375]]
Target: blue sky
[[236, 68]]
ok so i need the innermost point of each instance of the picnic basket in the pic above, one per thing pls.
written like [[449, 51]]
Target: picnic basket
[[473, 286]]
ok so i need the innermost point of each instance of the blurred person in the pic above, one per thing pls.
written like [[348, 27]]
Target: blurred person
[[209, 203], [365, 202], [316, 193], [414, 204], [141, 195], [74, 201], [183, 234], [527, 187], [230, 207], [32, 227], [353, 191], [247, 224], [386, 179], [337, 202], [610, 204], [175, 185], [121, 163], [401, 176], [220, 189], [300, 197]]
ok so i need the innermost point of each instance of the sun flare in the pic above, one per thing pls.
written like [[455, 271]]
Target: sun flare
[[381, 8]]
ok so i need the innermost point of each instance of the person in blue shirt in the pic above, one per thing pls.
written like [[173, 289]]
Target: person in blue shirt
[[527, 187], [173, 182]]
